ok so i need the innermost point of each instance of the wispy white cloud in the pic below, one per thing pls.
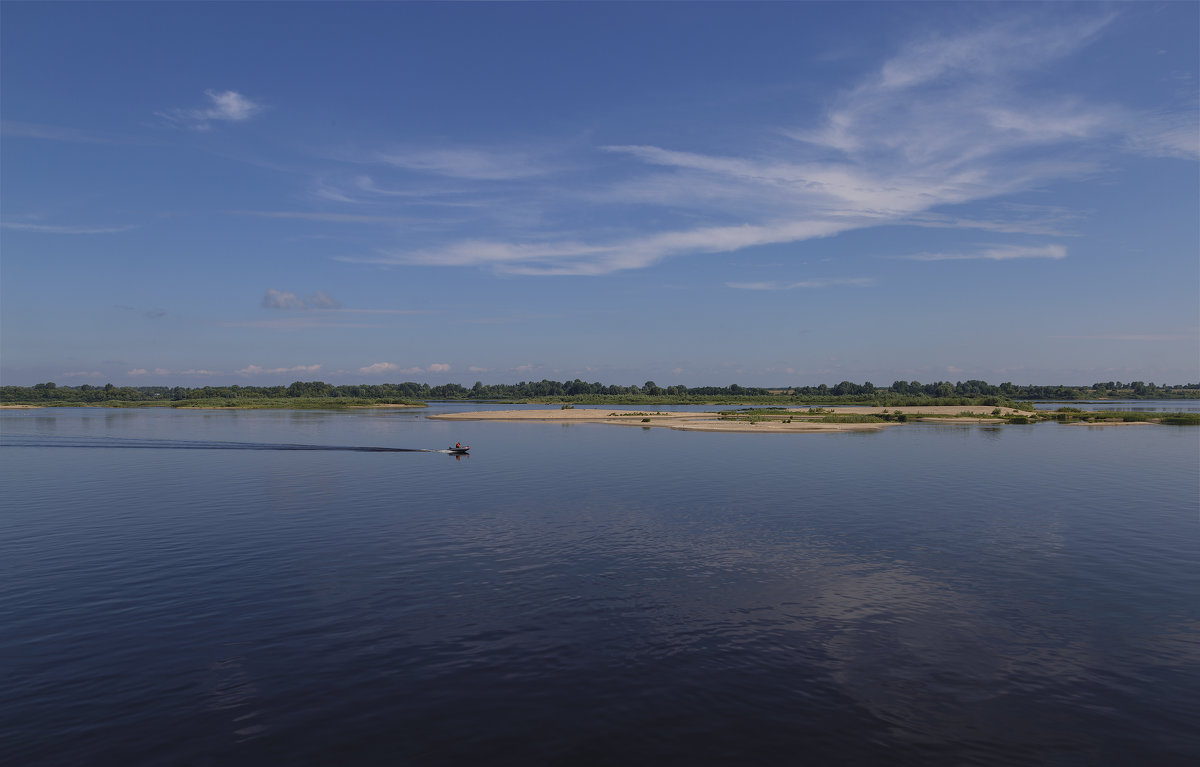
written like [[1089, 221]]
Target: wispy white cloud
[[254, 370], [860, 282], [996, 253], [1136, 337], [1001, 46], [83, 374], [304, 322], [319, 302], [363, 190], [576, 258], [160, 372], [469, 163], [1008, 219], [1172, 134], [14, 129], [225, 106], [390, 367], [948, 120], [337, 218], [280, 299], [418, 196], [64, 229]]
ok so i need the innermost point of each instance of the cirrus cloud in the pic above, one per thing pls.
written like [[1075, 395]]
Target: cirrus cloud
[[391, 367], [771, 285], [227, 106], [948, 120], [281, 299], [254, 370], [996, 253]]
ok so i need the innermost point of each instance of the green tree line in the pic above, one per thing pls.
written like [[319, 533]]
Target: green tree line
[[581, 390]]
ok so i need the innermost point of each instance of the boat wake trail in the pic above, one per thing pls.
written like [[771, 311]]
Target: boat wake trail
[[16, 440]]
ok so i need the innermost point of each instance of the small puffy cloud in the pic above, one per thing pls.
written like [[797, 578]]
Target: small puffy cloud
[[278, 299], [156, 371], [83, 374], [439, 367], [322, 300], [228, 106]]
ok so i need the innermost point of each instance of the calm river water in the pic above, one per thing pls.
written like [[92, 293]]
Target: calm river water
[[178, 588]]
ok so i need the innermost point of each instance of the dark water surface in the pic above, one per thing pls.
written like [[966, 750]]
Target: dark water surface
[[592, 594]]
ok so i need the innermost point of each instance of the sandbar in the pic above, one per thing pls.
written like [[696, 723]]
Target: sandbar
[[791, 420]]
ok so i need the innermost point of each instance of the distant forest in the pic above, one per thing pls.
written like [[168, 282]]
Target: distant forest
[[579, 391]]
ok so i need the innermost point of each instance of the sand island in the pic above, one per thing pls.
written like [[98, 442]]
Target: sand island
[[782, 420]]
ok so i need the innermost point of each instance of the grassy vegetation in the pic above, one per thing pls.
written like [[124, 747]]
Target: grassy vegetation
[[1074, 415], [1181, 419], [852, 418], [1061, 415]]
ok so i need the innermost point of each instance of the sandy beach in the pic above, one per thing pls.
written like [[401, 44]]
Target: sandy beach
[[792, 420]]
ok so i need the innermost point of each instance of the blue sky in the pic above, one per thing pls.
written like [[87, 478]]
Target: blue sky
[[694, 193]]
